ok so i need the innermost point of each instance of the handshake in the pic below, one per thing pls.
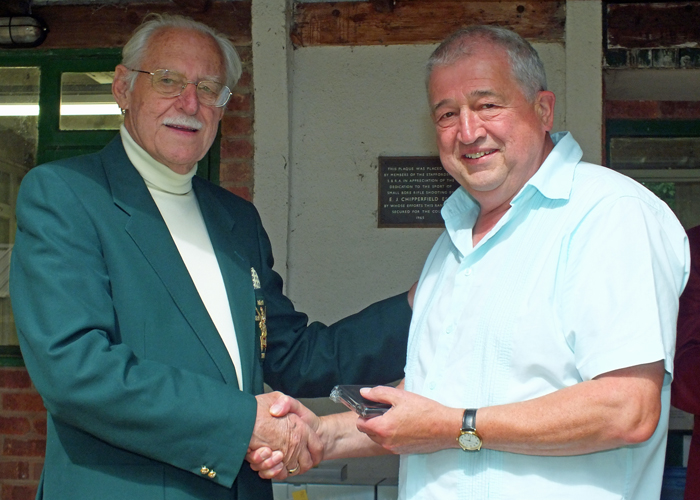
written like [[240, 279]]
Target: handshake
[[289, 439], [286, 438]]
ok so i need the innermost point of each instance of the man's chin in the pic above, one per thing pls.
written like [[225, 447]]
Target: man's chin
[[482, 183], [481, 178]]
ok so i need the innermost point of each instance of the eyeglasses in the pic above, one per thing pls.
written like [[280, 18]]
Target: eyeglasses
[[172, 84]]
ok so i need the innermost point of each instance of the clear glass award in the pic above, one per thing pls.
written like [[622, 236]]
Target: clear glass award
[[350, 396]]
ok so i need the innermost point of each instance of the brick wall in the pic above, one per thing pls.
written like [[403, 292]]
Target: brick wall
[[236, 166], [652, 110], [23, 434]]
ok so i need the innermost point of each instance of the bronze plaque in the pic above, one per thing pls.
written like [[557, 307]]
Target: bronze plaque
[[412, 190]]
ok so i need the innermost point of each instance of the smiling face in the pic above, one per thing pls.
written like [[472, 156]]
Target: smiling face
[[490, 138], [176, 131]]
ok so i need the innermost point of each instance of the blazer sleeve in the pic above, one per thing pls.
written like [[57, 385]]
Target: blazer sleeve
[[89, 380], [307, 359], [685, 390]]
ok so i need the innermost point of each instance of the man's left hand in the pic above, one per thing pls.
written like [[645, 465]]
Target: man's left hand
[[414, 424]]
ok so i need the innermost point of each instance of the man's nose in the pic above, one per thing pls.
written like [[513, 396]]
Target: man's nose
[[471, 127], [188, 98]]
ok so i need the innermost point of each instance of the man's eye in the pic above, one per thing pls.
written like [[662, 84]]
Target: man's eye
[[206, 88], [488, 106], [167, 81]]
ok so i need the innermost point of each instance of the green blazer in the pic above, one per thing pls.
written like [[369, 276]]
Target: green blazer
[[140, 390]]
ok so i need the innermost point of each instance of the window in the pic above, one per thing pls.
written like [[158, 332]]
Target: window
[[19, 104], [34, 87], [664, 155], [53, 104]]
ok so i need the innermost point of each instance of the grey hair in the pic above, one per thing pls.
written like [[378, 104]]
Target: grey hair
[[135, 49], [525, 63]]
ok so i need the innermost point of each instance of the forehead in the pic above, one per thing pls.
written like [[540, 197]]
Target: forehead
[[187, 51], [485, 70]]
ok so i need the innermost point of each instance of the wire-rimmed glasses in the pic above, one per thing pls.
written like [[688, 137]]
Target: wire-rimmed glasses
[[172, 84]]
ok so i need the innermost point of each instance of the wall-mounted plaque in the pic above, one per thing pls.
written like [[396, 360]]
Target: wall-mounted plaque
[[412, 190]]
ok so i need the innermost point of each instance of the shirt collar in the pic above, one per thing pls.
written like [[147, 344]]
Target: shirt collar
[[155, 174], [555, 176], [553, 180]]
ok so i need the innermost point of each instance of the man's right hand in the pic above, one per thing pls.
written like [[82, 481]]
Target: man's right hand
[[284, 437]]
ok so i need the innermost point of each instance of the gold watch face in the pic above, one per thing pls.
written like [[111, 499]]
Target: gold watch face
[[469, 441]]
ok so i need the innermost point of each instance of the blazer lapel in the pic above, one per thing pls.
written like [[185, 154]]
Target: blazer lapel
[[235, 270], [149, 232]]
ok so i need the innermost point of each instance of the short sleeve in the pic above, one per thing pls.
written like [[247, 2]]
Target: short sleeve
[[627, 263]]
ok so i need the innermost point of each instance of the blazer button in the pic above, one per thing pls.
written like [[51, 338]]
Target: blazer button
[[212, 474], [204, 470]]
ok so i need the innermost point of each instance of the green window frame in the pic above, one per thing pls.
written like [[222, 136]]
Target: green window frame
[[53, 143]]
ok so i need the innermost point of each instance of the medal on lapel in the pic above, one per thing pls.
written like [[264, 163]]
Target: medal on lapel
[[260, 314]]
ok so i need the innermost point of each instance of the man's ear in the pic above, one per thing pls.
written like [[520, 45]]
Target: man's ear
[[544, 105], [120, 86]]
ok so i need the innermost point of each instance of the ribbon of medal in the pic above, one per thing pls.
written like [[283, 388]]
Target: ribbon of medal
[[260, 315]]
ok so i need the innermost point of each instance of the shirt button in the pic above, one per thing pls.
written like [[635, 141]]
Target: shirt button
[[468, 271], [433, 385], [450, 329]]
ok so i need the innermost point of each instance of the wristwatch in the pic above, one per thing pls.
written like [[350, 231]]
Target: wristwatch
[[468, 439]]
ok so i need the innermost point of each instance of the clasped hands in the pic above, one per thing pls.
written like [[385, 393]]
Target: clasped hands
[[289, 439], [284, 440]]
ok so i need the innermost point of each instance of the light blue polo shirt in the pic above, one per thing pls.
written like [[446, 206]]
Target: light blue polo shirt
[[580, 277]]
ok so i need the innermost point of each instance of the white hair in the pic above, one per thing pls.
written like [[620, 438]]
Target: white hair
[[135, 49], [525, 63]]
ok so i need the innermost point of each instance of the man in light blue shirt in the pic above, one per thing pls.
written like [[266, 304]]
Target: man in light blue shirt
[[541, 347]]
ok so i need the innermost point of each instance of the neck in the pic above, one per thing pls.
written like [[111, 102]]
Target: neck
[[486, 221], [155, 174]]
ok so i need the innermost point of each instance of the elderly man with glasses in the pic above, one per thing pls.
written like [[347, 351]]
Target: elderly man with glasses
[[147, 309]]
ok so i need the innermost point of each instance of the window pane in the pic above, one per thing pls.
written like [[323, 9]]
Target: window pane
[[19, 109], [650, 153], [87, 102], [687, 203], [682, 197], [668, 166]]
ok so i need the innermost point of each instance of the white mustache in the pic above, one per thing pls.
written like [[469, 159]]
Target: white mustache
[[184, 121]]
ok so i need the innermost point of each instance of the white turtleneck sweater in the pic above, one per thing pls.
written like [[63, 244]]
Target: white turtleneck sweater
[[178, 205]]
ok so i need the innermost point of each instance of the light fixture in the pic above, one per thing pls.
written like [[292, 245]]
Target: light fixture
[[17, 32]]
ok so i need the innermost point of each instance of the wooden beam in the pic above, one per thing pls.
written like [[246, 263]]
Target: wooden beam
[[383, 5], [194, 5], [108, 26], [653, 25], [421, 21]]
